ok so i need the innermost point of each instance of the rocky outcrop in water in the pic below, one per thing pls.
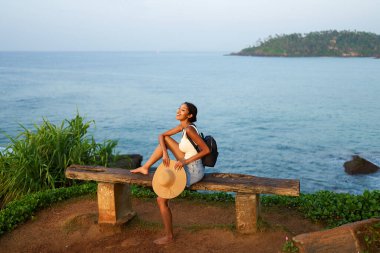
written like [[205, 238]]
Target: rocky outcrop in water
[[127, 161], [359, 165]]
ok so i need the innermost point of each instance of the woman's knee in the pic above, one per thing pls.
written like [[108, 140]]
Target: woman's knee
[[168, 139], [172, 145], [162, 202]]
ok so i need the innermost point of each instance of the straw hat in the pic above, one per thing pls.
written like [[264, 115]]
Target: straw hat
[[168, 182]]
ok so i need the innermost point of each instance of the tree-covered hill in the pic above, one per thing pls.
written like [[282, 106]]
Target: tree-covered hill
[[324, 43]]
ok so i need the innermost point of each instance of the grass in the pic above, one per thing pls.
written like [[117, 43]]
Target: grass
[[36, 159]]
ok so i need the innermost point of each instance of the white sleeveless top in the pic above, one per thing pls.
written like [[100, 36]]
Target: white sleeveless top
[[185, 145]]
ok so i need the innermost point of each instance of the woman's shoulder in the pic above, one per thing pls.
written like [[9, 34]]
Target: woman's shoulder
[[191, 128]]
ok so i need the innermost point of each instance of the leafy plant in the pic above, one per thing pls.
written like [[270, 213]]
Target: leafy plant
[[289, 246], [36, 160]]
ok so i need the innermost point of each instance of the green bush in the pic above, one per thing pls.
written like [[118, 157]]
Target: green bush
[[332, 208], [18, 211], [36, 160]]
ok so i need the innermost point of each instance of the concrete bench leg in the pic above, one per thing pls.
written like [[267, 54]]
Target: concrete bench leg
[[114, 203], [247, 208]]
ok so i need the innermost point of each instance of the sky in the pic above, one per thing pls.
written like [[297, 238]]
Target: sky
[[172, 25]]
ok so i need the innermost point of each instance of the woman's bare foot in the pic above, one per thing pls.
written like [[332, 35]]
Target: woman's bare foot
[[163, 240], [141, 170]]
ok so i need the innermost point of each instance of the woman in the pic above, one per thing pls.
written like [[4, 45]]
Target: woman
[[186, 155]]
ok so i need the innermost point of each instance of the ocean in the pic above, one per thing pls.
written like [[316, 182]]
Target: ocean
[[272, 117]]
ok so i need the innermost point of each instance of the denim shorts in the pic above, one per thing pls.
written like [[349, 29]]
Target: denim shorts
[[194, 172]]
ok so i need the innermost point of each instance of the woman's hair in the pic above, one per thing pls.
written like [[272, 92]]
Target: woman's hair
[[192, 110]]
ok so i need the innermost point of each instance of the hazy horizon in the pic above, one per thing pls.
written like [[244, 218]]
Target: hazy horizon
[[171, 25]]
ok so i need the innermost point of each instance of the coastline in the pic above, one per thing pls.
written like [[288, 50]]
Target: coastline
[[301, 56]]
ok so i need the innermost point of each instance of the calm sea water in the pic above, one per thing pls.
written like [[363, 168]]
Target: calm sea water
[[272, 117]]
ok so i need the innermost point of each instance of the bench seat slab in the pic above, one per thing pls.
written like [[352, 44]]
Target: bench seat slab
[[225, 182]]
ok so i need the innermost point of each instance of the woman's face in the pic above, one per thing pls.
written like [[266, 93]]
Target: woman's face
[[183, 113]]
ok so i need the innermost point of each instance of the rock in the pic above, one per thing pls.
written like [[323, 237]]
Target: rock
[[127, 161], [359, 165], [343, 239]]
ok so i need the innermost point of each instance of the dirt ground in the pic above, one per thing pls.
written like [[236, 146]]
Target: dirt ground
[[71, 226]]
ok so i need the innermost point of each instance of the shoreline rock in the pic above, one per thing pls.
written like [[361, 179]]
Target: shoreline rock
[[359, 165]]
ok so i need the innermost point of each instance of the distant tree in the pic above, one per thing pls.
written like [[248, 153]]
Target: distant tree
[[320, 43]]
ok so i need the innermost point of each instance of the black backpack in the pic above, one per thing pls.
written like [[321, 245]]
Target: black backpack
[[210, 159]]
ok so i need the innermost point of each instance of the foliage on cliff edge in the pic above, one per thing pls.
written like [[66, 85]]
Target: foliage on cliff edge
[[324, 43], [36, 159]]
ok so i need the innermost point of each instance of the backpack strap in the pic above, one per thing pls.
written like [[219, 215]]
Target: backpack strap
[[191, 141]]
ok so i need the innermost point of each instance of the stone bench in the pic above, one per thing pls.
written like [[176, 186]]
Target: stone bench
[[114, 198]]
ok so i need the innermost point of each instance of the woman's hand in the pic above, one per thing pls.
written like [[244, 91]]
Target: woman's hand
[[180, 164], [166, 159]]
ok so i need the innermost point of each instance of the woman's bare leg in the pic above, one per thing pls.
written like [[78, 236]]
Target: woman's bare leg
[[163, 204], [166, 216], [156, 155], [171, 144]]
